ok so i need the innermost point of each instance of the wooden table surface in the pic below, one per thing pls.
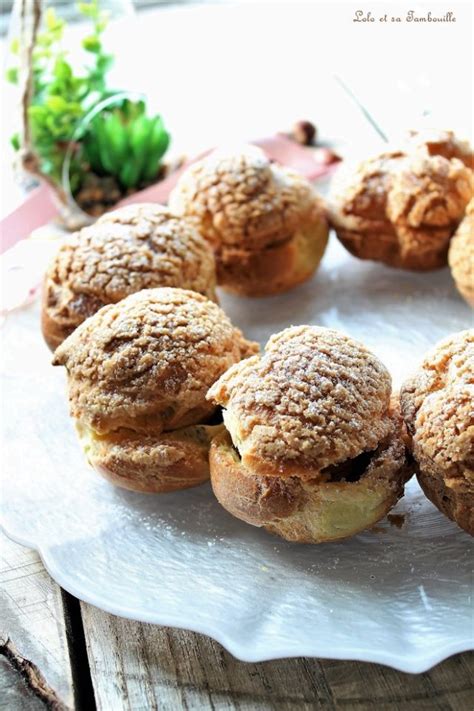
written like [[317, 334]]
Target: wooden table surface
[[59, 653]]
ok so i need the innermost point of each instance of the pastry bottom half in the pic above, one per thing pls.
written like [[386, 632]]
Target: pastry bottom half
[[151, 463], [454, 497], [275, 269], [382, 245], [342, 501]]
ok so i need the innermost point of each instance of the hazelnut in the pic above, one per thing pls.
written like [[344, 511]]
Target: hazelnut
[[304, 132]]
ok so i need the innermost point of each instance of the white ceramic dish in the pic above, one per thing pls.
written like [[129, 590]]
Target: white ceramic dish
[[398, 596]]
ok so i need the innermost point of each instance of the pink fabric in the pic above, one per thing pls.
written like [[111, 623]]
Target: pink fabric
[[278, 148], [39, 207]]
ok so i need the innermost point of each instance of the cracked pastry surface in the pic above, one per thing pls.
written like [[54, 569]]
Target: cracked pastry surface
[[401, 209], [314, 447], [138, 371], [461, 255], [438, 408], [266, 223], [133, 248], [444, 143]]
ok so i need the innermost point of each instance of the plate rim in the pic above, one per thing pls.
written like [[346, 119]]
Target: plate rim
[[411, 664]]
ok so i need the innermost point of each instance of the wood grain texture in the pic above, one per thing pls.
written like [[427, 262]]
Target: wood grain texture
[[137, 666], [32, 617]]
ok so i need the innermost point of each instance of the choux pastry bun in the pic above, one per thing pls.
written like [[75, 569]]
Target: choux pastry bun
[[314, 447], [438, 407], [461, 255], [401, 209], [138, 374], [133, 248], [266, 223]]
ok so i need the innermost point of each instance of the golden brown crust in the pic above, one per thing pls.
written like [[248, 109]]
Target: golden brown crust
[[425, 203], [461, 255], [133, 248], [401, 209], [315, 445], [251, 210], [151, 463], [435, 142], [453, 497], [138, 373], [275, 269], [437, 405], [146, 363], [313, 399]]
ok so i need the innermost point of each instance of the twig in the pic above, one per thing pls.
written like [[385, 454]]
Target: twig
[[362, 108]]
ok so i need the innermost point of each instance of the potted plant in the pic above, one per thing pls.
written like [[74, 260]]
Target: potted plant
[[91, 143]]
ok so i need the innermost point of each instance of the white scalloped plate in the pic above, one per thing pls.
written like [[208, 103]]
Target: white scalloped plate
[[398, 596]]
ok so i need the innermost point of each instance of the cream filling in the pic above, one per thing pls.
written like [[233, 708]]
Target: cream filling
[[232, 426], [337, 511], [199, 434]]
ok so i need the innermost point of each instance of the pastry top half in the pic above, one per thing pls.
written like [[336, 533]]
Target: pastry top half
[[427, 198], [146, 363], [242, 201], [438, 408], [314, 399], [461, 255], [435, 142], [133, 248], [401, 208]]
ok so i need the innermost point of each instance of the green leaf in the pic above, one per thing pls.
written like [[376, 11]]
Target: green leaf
[[160, 140], [92, 155], [158, 146], [56, 104], [62, 70], [11, 75], [89, 9], [104, 62], [37, 112], [54, 28], [106, 158], [15, 141], [140, 133], [15, 45], [117, 139], [53, 22], [92, 44], [129, 174]]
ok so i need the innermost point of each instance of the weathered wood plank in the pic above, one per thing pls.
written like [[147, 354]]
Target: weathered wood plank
[[355, 684], [136, 666], [32, 617]]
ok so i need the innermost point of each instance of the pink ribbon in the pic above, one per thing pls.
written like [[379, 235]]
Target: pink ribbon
[[39, 207]]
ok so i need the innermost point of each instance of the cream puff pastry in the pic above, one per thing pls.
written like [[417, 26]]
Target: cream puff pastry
[[266, 223], [138, 373], [461, 256], [401, 210], [314, 447], [438, 408], [133, 248]]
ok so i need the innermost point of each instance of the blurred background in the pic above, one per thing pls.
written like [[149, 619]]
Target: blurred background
[[232, 71]]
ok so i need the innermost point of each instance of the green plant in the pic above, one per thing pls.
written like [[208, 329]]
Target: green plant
[[124, 142], [60, 97], [121, 142]]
